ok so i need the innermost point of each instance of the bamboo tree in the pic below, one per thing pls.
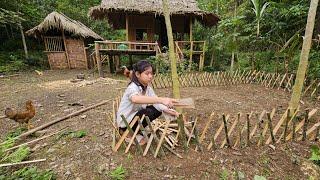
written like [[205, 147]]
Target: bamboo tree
[[172, 57], [303, 64]]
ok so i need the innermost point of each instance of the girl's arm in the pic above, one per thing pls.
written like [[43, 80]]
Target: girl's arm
[[141, 99]]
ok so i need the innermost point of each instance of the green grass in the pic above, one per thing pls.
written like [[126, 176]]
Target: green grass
[[118, 174]]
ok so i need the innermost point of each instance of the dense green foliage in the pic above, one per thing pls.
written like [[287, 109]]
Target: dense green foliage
[[276, 48]]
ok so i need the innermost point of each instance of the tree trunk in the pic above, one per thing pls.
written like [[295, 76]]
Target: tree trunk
[[232, 61], [172, 57], [24, 42], [303, 64], [212, 58], [7, 31]]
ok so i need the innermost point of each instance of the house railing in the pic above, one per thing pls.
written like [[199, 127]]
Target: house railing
[[127, 46], [192, 48]]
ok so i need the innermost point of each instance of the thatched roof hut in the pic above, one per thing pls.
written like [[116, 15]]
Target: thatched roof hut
[[115, 10], [61, 22], [65, 41]]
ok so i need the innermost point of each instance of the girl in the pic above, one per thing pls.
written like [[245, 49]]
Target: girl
[[139, 99]]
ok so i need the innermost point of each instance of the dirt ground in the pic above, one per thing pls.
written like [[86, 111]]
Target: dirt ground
[[91, 157]]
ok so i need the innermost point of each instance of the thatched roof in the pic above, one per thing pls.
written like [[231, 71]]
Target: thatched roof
[[113, 8], [60, 21]]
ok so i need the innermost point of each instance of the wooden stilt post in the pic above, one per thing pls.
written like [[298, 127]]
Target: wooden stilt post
[[98, 58], [65, 48]]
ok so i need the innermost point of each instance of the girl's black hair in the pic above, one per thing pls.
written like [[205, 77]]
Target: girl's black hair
[[140, 67]]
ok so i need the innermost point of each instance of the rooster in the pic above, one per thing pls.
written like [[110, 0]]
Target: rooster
[[127, 72], [22, 116]]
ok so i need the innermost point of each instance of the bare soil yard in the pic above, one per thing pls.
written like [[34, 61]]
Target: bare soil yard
[[91, 157]]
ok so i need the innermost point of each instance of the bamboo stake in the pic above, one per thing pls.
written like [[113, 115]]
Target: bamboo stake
[[153, 132], [161, 139], [61, 119], [226, 130], [305, 125], [148, 145], [124, 135], [289, 124], [248, 130], [313, 128], [192, 130], [265, 129], [293, 129], [23, 162], [230, 132], [286, 125], [256, 124], [216, 135], [281, 82], [306, 90], [270, 127], [299, 126], [203, 134], [34, 141], [133, 138], [114, 124], [134, 134], [316, 136]]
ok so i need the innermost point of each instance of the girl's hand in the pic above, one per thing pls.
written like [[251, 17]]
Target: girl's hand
[[172, 112], [168, 102]]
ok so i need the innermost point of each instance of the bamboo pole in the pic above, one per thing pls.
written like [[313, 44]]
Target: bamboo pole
[[134, 134], [161, 139], [226, 130], [61, 119], [270, 127], [305, 126], [124, 135], [23, 162]]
